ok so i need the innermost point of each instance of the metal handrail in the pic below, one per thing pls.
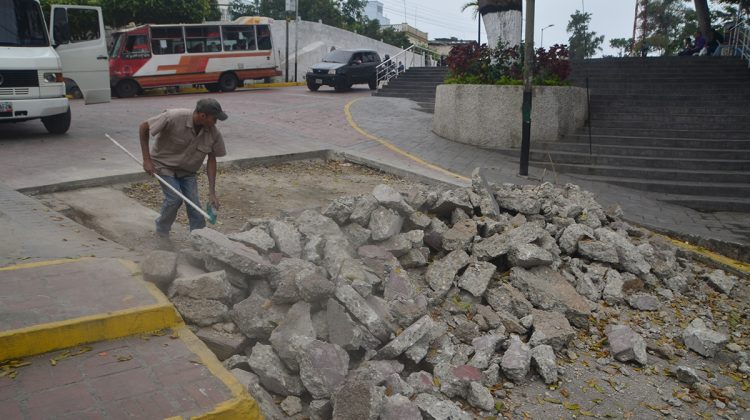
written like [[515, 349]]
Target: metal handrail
[[739, 44], [388, 69]]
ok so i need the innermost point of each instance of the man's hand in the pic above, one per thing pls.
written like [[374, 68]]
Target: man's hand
[[148, 166], [214, 201]]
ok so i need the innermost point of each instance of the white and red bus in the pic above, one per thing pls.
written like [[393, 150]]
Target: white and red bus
[[218, 55]]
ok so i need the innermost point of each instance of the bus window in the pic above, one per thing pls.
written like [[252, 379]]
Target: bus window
[[264, 37], [136, 46], [84, 25], [238, 38], [167, 40], [202, 39]]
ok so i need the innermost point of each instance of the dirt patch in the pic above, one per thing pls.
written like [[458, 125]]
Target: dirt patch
[[278, 190]]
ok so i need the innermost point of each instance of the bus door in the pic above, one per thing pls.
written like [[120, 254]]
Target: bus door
[[79, 40]]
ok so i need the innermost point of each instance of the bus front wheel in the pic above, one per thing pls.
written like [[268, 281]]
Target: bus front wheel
[[228, 82], [57, 124], [127, 88]]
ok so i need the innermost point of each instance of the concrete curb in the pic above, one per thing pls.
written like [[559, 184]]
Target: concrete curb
[[43, 338]]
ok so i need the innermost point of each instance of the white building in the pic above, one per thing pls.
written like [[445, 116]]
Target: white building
[[374, 10]]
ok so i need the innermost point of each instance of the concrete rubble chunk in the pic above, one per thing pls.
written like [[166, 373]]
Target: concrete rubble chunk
[[677, 283], [548, 290], [460, 235], [287, 237], [160, 268], [322, 367], [415, 258], [630, 258], [418, 221], [476, 277], [626, 344], [200, 312], [396, 385], [598, 251], [613, 293], [340, 209], [363, 208], [285, 276], [314, 287], [406, 339], [518, 201], [703, 340], [529, 255], [551, 328], [384, 223], [257, 317], [237, 361], [357, 400], [451, 199], [644, 302], [421, 382], [343, 331], [320, 410], [392, 199], [480, 397], [435, 408], [256, 238], [687, 375], [362, 311], [544, 361], [571, 235], [357, 235], [455, 379], [291, 405], [485, 348], [265, 400], [440, 274], [418, 351], [500, 243], [516, 360], [397, 245], [503, 296], [487, 204], [398, 285], [238, 256], [223, 344], [336, 250], [721, 282], [297, 322], [375, 371], [272, 372], [399, 407], [311, 223], [203, 286]]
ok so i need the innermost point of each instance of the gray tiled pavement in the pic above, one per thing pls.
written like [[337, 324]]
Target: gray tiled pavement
[[400, 122]]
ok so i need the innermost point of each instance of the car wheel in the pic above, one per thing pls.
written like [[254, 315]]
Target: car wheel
[[312, 85], [341, 85], [228, 82], [212, 87], [127, 88], [57, 124]]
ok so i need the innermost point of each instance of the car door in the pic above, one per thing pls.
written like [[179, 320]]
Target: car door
[[79, 39]]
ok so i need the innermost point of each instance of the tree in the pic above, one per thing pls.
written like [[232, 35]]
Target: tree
[[239, 8], [666, 23], [582, 42], [394, 37], [118, 13], [502, 21], [623, 45], [704, 18]]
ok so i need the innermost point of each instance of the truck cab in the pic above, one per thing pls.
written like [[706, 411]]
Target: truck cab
[[35, 63]]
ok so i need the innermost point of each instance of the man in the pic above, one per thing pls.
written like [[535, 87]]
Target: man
[[183, 140]]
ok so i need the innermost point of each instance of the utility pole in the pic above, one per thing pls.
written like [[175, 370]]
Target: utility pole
[[296, 43], [527, 76]]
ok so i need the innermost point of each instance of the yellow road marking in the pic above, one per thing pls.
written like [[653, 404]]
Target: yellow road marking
[[347, 111]]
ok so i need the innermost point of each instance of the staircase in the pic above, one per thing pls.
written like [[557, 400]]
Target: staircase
[[675, 126], [417, 84]]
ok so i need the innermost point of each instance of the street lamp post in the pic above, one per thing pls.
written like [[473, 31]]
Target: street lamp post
[[548, 26]]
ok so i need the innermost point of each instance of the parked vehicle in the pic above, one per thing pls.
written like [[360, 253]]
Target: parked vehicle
[[33, 70], [218, 55], [341, 69]]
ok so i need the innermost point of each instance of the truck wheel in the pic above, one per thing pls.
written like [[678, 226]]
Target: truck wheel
[[127, 88], [57, 124], [312, 85], [228, 82], [212, 87]]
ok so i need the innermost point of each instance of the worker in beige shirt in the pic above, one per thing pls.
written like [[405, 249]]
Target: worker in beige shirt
[[183, 140]]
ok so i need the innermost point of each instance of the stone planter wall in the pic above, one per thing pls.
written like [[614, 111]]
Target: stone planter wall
[[490, 116]]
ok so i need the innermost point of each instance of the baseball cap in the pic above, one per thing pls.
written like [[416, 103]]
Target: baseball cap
[[210, 106]]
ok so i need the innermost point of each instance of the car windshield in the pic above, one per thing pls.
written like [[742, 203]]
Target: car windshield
[[338, 56], [22, 24]]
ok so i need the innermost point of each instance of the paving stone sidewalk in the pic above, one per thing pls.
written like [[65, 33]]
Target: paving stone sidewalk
[[401, 123]]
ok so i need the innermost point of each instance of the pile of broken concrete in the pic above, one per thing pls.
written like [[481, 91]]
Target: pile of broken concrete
[[422, 305]]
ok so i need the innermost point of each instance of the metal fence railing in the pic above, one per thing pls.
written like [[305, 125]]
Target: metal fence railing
[[740, 42], [393, 66]]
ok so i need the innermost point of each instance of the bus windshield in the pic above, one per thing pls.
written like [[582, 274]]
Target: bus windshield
[[22, 24], [114, 48]]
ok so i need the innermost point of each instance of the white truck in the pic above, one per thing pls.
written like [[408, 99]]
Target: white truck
[[35, 63]]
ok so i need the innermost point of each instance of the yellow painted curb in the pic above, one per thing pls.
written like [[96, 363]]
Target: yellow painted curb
[[722, 261], [58, 335], [242, 406], [46, 263], [387, 144]]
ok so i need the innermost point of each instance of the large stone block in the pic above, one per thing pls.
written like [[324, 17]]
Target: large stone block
[[237, 255]]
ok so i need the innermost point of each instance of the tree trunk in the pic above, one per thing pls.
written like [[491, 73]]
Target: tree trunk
[[704, 19], [502, 21]]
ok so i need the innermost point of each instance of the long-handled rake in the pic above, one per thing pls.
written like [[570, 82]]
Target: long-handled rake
[[209, 213]]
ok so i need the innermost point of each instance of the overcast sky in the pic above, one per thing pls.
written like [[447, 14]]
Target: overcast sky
[[443, 18]]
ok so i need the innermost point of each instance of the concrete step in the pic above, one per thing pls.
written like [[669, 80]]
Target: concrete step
[[695, 125], [645, 151], [640, 161], [697, 189], [709, 204], [688, 143], [707, 117], [650, 173], [631, 131], [624, 107]]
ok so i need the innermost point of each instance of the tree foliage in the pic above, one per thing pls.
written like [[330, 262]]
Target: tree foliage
[[119, 13], [622, 45], [666, 23], [583, 43]]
